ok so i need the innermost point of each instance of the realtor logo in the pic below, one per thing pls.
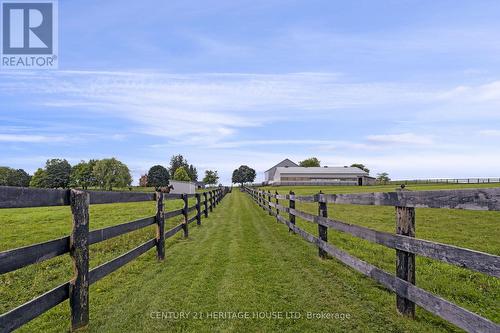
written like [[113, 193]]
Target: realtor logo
[[29, 34]]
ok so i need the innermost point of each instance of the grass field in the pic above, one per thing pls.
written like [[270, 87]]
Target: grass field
[[240, 259]]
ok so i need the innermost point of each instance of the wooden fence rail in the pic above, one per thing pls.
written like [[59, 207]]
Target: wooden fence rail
[[404, 241], [77, 244], [447, 181]]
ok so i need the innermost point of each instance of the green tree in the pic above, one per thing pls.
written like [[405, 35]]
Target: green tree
[[5, 174], [181, 175], [176, 162], [82, 175], [21, 178], [310, 162], [193, 173], [211, 177], [111, 173], [158, 176], [243, 174], [383, 178], [360, 166], [13, 177], [58, 173], [39, 179]]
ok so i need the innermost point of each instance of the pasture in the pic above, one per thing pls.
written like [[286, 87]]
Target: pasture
[[240, 259]]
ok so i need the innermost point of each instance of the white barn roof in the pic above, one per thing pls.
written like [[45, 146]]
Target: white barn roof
[[285, 163], [322, 170]]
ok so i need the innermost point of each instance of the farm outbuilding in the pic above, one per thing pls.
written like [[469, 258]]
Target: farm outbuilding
[[182, 187], [288, 173]]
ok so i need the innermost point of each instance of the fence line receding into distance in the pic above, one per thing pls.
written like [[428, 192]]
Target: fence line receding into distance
[[77, 244], [404, 242]]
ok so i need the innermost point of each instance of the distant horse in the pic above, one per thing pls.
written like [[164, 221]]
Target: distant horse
[[165, 189]]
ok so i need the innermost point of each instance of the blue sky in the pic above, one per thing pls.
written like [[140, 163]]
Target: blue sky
[[407, 87]]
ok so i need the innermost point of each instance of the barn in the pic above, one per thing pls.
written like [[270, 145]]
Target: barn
[[289, 173]]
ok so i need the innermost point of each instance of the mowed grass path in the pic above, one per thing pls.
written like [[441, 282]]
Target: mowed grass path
[[240, 259]]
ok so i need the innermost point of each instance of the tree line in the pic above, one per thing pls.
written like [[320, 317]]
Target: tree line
[[105, 174], [180, 170], [58, 173]]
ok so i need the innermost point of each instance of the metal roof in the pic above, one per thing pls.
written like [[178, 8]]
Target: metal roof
[[322, 170], [286, 160]]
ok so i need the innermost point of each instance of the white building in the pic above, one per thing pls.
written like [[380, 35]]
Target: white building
[[288, 173], [182, 187]]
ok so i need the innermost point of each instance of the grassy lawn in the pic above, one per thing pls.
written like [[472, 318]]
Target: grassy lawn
[[240, 259]]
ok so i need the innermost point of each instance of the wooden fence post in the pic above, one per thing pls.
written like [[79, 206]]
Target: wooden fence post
[[405, 261], [198, 208], [185, 213], [322, 230], [160, 227], [277, 209], [79, 252], [269, 202], [263, 199], [205, 203], [210, 199], [291, 205]]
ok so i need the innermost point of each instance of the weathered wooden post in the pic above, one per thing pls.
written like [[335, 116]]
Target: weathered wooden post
[[205, 203], [291, 205], [277, 209], [322, 230], [210, 199], [79, 252], [160, 227], [269, 202], [185, 226], [405, 261], [198, 208]]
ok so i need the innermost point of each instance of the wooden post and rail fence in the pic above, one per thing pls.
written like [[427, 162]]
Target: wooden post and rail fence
[[447, 181], [403, 241], [77, 244]]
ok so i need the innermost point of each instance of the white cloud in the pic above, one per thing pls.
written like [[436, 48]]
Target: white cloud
[[403, 138], [490, 132], [30, 138], [211, 106]]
